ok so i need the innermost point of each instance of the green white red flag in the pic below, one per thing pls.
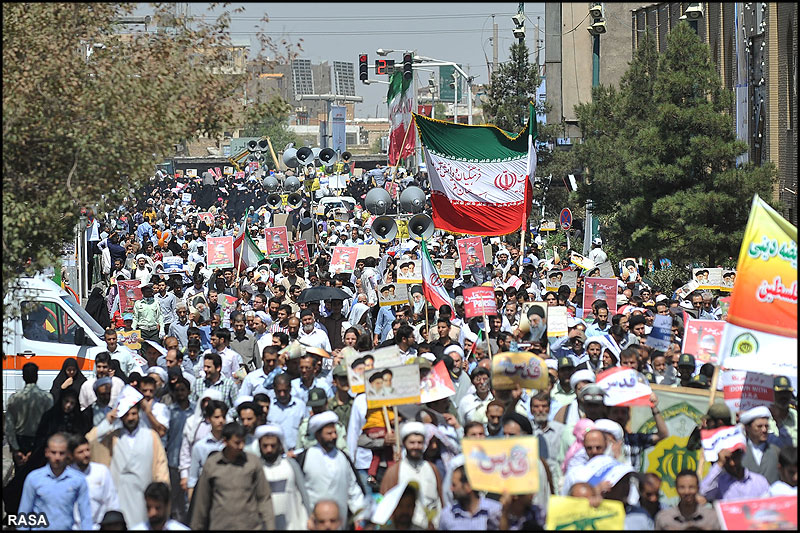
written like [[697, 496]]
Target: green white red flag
[[432, 287], [245, 247], [400, 99]]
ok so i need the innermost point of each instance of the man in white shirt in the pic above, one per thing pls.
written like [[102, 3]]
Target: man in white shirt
[[123, 354], [87, 396], [156, 497], [155, 415], [231, 361], [597, 254], [787, 469], [309, 334], [102, 493]]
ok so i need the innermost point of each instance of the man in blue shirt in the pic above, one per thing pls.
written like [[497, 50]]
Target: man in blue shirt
[[286, 412], [54, 490], [470, 510]]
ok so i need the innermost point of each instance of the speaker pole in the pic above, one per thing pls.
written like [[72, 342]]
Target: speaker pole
[[274, 157]]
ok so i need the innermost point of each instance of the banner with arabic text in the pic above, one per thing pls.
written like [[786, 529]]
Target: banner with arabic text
[[577, 514], [523, 368], [776, 513], [624, 386], [496, 465], [479, 301]]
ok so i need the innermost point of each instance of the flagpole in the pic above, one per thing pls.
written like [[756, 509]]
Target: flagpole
[[241, 246], [486, 331]]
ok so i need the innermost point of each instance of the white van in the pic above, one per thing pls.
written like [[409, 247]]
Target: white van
[[45, 325]]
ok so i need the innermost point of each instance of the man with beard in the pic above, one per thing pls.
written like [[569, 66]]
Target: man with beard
[[454, 362], [563, 393], [285, 477], [156, 497], [413, 467], [551, 431], [470, 510], [329, 472], [537, 322], [783, 423], [728, 479], [472, 407], [494, 415]]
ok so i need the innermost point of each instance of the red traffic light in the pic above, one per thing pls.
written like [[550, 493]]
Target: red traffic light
[[363, 73]]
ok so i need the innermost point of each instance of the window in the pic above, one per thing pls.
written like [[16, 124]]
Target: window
[[47, 322]]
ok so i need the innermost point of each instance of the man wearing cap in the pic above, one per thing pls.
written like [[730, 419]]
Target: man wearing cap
[[562, 392], [329, 472], [728, 479], [760, 456], [686, 368], [413, 467], [341, 403], [318, 402], [783, 423], [285, 477]]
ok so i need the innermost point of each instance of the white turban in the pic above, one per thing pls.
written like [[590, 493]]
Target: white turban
[[317, 422], [609, 426], [264, 317], [241, 399], [270, 429], [160, 372], [410, 428], [581, 375], [762, 411], [470, 336], [551, 363], [454, 348]]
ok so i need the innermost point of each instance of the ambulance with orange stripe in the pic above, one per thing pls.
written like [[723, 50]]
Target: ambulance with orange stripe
[[44, 324]]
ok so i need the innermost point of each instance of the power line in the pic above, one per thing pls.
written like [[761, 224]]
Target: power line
[[356, 19]]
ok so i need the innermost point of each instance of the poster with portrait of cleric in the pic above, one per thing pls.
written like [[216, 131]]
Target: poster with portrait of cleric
[[409, 271], [557, 278], [470, 253], [393, 294], [220, 252], [708, 278], [343, 259], [600, 289], [445, 267], [277, 242], [533, 320], [397, 385]]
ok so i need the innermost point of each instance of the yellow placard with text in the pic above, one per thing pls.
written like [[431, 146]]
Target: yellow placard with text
[[499, 464], [567, 513]]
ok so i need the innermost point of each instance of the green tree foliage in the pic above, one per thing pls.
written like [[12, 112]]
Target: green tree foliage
[[270, 119], [660, 154], [78, 126], [513, 85]]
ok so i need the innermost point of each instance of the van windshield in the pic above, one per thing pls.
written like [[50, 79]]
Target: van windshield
[[86, 317]]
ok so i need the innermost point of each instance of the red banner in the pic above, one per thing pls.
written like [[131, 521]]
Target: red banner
[[479, 301], [470, 252], [779, 513], [301, 251]]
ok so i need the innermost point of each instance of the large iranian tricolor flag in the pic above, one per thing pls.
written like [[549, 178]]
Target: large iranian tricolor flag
[[246, 248], [481, 176], [432, 287], [400, 101]]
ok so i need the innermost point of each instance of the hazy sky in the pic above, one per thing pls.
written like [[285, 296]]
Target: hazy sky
[[456, 32]]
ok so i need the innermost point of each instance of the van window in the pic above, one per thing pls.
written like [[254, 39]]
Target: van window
[[86, 317], [47, 322]]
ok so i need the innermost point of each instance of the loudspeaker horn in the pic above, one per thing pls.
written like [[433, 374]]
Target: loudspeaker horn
[[412, 200], [305, 155], [420, 227], [252, 145], [274, 201], [346, 156], [384, 228], [377, 201], [271, 184], [290, 158], [263, 145], [330, 169], [326, 155], [294, 200], [316, 151], [291, 184]]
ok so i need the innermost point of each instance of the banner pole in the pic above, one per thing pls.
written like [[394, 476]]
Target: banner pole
[[241, 249], [397, 432], [714, 381], [486, 331]]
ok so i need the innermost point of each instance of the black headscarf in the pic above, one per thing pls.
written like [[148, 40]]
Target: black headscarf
[[118, 373], [56, 420], [97, 308], [77, 381]]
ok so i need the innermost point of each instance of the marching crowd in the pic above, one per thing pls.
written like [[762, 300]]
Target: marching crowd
[[237, 411]]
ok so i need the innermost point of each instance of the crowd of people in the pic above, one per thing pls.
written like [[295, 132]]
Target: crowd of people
[[237, 412]]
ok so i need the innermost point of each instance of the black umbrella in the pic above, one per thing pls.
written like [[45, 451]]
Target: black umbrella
[[315, 294]]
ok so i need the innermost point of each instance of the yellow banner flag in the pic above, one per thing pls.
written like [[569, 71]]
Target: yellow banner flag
[[523, 368], [499, 464], [567, 513]]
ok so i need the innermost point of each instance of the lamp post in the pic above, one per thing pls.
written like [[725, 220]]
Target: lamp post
[[431, 62]]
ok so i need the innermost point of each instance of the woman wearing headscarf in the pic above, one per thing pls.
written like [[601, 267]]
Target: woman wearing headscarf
[[64, 417], [97, 308], [115, 370], [70, 377]]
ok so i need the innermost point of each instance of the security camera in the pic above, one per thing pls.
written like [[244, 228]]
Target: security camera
[[599, 26], [694, 11], [519, 33], [519, 19], [596, 11]]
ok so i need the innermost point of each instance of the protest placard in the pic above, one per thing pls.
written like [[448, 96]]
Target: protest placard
[[239, 175], [343, 259], [227, 171], [629, 269], [206, 217], [519, 368], [354, 362], [581, 261], [128, 397], [470, 253], [684, 291], [577, 514], [557, 278], [178, 173], [497, 465], [744, 390], [191, 172], [557, 321], [446, 267], [606, 269], [437, 384], [533, 319], [728, 279], [661, 334], [301, 252], [600, 289], [707, 278], [173, 264], [702, 339], [129, 292], [723, 438], [624, 386], [186, 198], [220, 252], [776, 513], [369, 250], [276, 240], [479, 301], [132, 339], [762, 319], [392, 294], [397, 385], [409, 271]]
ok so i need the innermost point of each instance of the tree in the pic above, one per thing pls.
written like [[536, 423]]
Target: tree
[[661, 154], [270, 119], [88, 112], [513, 85]]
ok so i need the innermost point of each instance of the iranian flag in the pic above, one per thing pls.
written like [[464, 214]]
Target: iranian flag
[[432, 287], [400, 101], [245, 247], [481, 176]]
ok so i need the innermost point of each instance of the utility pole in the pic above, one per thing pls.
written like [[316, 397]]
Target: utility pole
[[494, 45], [536, 41]]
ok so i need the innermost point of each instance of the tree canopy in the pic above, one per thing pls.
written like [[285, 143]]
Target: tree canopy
[[660, 153], [88, 111]]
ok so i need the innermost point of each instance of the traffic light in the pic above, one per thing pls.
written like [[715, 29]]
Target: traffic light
[[408, 59], [363, 74]]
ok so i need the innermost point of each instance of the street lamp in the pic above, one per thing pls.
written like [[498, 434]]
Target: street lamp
[[370, 82], [429, 61], [382, 52]]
